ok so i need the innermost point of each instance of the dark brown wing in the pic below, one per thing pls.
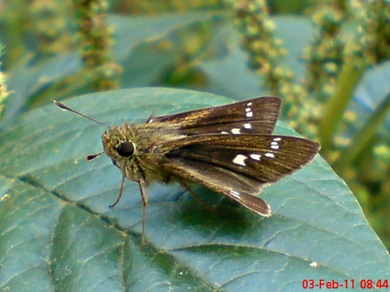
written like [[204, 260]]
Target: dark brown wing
[[241, 189], [256, 116], [238, 166]]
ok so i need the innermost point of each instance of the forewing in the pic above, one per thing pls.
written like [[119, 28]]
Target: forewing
[[266, 158], [238, 166], [256, 116]]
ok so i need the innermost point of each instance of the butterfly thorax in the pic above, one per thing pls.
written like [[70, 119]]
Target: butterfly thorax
[[132, 148]]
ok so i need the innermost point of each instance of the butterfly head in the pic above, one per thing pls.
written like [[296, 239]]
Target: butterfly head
[[118, 145]]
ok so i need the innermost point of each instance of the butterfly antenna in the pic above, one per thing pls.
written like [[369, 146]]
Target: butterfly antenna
[[64, 107]]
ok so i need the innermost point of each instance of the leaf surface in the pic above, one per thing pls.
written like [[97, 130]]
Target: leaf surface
[[58, 233]]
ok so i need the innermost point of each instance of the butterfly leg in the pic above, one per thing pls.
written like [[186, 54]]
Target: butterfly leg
[[144, 198], [120, 193]]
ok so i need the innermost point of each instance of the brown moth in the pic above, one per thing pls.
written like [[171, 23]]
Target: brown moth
[[229, 149]]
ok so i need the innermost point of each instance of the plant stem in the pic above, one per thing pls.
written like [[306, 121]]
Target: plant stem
[[348, 79], [364, 136]]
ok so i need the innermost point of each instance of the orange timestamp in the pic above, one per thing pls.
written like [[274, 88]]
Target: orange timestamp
[[345, 284]]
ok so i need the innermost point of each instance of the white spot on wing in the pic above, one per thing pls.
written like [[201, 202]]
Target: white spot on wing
[[235, 131], [224, 132], [235, 194], [270, 155], [247, 126], [248, 110], [275, 145], [313, 264], [255, 156], [240, 159], [277, 139]]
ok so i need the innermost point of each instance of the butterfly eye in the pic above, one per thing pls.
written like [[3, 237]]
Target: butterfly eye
[[125, 149]]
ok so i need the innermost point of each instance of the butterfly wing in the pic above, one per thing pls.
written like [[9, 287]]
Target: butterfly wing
[[238, 166], [256, 116], [235, 186]]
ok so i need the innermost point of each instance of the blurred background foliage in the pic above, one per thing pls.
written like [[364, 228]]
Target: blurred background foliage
[[328, 60]]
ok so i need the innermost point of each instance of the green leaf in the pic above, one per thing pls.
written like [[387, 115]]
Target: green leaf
[[134, 30], [57, 232], [134, 49]]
